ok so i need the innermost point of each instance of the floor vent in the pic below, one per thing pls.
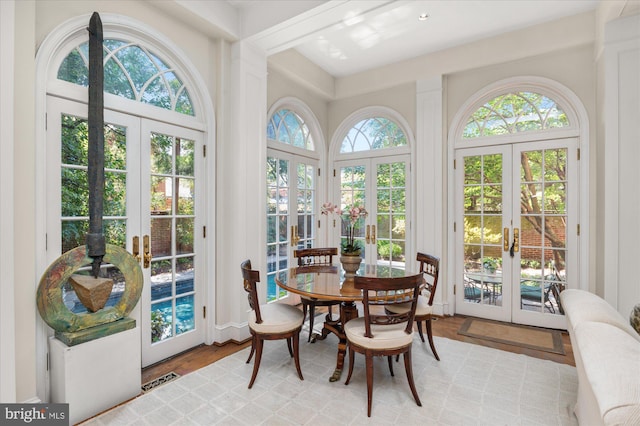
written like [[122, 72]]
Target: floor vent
[[159, 381]]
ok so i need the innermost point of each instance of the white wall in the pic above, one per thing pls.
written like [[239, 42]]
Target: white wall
[[280, 86], [24, 203], [7, 305]]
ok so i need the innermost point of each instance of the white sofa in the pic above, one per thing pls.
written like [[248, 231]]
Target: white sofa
[[607, 354]]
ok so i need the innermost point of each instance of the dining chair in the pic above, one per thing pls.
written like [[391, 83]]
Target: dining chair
[[429, 266], [380, 333], [271, 321], [315, 257]]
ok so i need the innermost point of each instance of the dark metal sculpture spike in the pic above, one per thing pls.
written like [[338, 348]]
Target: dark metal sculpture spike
[[96, 245]]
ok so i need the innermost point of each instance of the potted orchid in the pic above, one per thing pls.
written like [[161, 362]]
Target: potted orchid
[[350, 217]]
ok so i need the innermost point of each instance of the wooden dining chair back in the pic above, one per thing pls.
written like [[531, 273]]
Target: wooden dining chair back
[[381, 333], [430, 268], [271, 321], [317, 256]]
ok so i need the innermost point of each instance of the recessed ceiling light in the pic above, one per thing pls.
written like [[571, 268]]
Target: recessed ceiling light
[[423, 17]]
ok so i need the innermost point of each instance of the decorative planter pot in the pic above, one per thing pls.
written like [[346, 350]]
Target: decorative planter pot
[[350, 264]]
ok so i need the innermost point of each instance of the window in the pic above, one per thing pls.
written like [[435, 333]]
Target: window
[[133, 72], [513, 113], [288, 127], [373, 133]]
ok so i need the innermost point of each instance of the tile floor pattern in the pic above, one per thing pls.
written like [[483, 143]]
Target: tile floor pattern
[[471, 385]]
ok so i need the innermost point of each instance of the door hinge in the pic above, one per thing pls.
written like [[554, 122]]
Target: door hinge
[[578, 154], [334, 172], [204, 232], [318, 223], [454, 164], [204, 150], [204, 312], [318, 171], [454, 289], [47, 361], [578, 230], [454, 227]]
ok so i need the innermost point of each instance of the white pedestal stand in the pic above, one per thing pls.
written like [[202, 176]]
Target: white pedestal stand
[[97, 375]]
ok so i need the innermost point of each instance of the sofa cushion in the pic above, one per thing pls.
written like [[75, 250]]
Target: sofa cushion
[[580, 306], [611, 362]]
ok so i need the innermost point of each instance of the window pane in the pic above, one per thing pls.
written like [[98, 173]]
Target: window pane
[[513, 113], [161, 235]]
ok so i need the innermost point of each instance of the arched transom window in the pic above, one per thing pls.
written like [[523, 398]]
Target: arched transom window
[[513, 113], [133, 72], [288, 127], [373, 133]]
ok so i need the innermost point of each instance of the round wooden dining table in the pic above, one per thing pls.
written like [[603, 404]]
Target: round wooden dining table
[[328, 283]]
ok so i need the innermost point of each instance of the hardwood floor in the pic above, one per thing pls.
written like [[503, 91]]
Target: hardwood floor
[[447, 327]]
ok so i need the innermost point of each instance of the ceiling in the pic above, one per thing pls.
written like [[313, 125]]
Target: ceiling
[[345, 37]]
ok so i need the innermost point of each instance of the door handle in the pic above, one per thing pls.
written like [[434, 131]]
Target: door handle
[[373, 234], [136, 248], [294, 235], [505, 239], [367, 235], [515, 246], [147, 251]]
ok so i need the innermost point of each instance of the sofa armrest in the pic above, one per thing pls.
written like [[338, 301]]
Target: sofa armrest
[[581, 306], [611, 363]]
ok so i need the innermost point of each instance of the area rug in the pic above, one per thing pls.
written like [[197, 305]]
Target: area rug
[[471, 385], [540, 339]]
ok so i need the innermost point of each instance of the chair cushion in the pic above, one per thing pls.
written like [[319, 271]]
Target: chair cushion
[[384, 336], [276, 318], [422, 308]]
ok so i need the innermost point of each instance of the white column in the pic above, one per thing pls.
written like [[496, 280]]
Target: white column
[[241, 190], [621, 172], [430, 230], [7, 295]]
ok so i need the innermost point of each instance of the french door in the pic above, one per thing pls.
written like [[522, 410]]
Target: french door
[[292, 212], [152, 198], [381, 184], [516, 230]]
